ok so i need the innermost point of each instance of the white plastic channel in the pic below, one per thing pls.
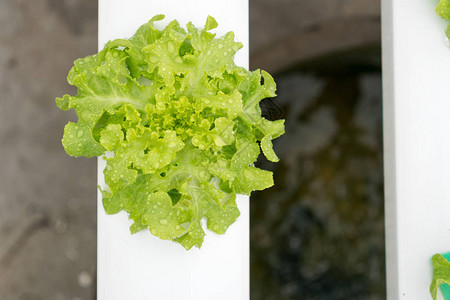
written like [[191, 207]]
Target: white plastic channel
[[141, 266], [416, 100]]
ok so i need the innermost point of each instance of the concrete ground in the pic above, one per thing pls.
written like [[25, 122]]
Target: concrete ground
[[48, 199]]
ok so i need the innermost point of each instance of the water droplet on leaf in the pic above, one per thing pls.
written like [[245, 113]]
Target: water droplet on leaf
[[202, 174], [170, 47]]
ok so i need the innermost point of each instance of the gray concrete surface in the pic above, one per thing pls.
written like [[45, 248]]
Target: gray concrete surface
[[48, 199]]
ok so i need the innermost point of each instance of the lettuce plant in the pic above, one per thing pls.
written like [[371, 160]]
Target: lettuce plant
[[441, 276], [182, 123], [443, 10]]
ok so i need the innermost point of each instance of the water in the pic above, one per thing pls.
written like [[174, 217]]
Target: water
[[319, 233]]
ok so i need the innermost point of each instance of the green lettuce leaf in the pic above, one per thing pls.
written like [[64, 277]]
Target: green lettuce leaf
[[441, 273], [443, 10], [182, 123]]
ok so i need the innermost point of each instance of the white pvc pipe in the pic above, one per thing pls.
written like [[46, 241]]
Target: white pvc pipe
[[141, 266], [416, 100]]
